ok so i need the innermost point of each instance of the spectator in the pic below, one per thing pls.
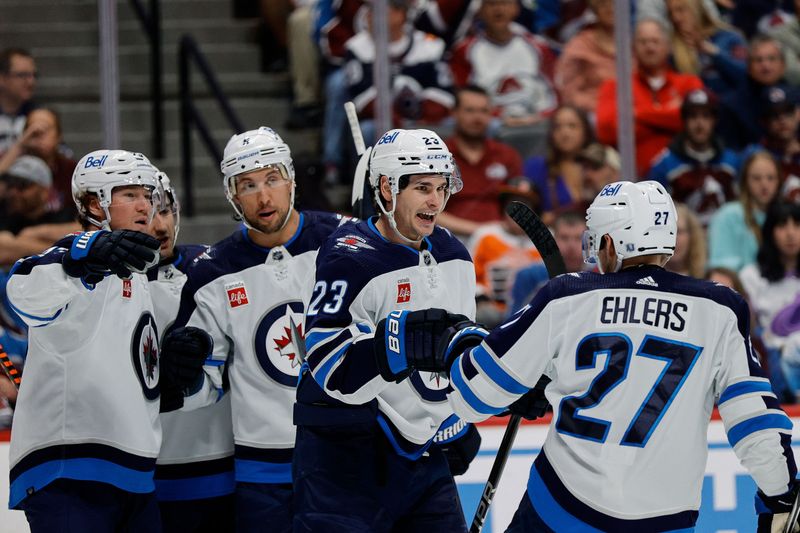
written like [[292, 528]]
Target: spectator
[[28, 183], [41, 138], [485, 164], [568, 230], [658, 92], [499, 250], [516, 68], [707, 47], [303, 66], [588, 60], [449, 20], [741, 124], [559, 176], [696, 168], [788, 34], [781, 119], [750, 15], [600, 165], [420, 84], [773, 284], [689, 258], [734, 233], [17, 82]]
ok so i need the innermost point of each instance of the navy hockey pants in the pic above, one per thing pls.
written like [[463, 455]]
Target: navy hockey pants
[[526, 519], [263, 507], [74, 506], [207, 515], [348, 481]]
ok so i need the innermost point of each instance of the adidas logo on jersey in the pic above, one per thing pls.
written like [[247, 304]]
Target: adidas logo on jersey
[[647, 281]]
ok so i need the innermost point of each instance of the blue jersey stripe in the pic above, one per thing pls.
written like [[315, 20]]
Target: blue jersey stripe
[[315, 337], [493, 370], [458, 382], [549, 509], [34, 317], [744, 387], [757, 423], [322, 372], [196, 488], [260, 472]]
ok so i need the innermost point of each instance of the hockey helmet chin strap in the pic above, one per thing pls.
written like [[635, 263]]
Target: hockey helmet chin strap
[[390, 214]]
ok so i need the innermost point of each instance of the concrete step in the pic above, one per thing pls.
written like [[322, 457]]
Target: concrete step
[[38, 35], [25, 11]]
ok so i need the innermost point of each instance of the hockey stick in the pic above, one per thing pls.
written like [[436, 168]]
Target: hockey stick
[[792, 520], [360, 176], [8, 368], [540, 236]]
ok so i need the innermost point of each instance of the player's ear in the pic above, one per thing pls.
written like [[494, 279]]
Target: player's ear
[[386, 190], [608, 245], [94, 209]]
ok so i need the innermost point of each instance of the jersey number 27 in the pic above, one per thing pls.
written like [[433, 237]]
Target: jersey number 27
[[679, 358]]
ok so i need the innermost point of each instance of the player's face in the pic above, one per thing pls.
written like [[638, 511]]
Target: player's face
[[164, 230], [762, 181], [264, 196], [787, 239], [700, 126], [419, 204], [130, 208]]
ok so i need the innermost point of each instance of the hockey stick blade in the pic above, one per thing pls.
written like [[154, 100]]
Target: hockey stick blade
[[8, 368], [793, 516], [539, 234]]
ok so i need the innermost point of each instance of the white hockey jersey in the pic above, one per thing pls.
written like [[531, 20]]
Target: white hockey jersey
[[361, 278], [196, 457], [638, 359], [244, 296], [89, 401]]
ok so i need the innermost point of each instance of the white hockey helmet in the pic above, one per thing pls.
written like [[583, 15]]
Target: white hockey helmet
[[253, 150], [639, 217], [401, 153], [99, 172], [169, 200]]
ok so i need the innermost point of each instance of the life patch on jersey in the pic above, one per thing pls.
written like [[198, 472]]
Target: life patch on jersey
[[145, 353], [403, 291], [237, 294], [127, 289], [273, 344], [353, 242]]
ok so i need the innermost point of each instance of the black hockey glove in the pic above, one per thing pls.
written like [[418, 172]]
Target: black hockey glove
[[532, 404], [183, 353], [460, 451], [97, 254], [409, 340], [773, 511]]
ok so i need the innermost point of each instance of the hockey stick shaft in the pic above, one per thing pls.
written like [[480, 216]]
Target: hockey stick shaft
[[540, 236], [355, 127], [8, 368], [793, 515]]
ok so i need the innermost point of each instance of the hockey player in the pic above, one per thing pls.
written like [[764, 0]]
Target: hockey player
[[86, 434], [194, 470], [364, 459], [638, 356], [246, 292]]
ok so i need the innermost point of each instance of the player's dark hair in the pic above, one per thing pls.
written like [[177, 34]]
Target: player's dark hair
[[402, 183], [770, 258], [7, 54]]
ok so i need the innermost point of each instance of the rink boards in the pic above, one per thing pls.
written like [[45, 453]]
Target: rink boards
[[727, 490]]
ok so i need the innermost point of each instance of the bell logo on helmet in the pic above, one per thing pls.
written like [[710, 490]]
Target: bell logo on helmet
[[95, 162], [388, 138], [610, 190]]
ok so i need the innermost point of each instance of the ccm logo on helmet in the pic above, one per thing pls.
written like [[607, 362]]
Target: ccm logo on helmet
[[95, 163]]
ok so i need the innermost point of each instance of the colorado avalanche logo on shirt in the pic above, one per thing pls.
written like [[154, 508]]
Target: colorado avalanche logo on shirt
[[145, 352], [431, 386], [273, 343]]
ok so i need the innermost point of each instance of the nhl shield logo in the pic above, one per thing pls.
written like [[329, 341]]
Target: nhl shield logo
[[145, 354]]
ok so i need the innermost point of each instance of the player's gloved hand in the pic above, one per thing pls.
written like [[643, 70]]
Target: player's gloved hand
[[96, 254], [183, 353], [408, 340], [532, 404], [773, 511], [460, 451]]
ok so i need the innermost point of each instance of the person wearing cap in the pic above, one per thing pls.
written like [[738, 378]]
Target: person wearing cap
[[27, 185], [499, 249], [740, 120], [696, 168], [600, 166], [658, 91]]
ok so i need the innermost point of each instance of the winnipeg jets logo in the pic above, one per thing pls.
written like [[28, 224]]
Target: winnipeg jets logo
[[150, 354], [285, 346], [144, 352], [274, 349], [352, 242]]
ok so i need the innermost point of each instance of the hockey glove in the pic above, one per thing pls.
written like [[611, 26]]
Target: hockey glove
[[460, 451], [183, 353], [773, 511], [408, 340], [96, 254], [532, 404]]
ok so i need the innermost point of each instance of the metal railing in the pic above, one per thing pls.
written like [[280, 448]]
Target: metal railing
[[151, 23], [189, 52]]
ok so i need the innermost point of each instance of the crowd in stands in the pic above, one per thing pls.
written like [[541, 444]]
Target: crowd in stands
[[526, 100]]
